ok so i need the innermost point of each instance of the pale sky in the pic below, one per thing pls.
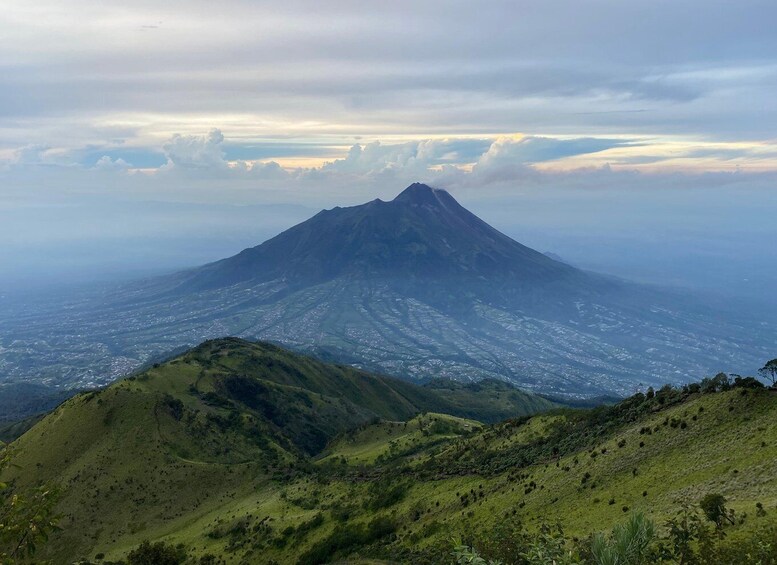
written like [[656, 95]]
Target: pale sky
[[282, 108]]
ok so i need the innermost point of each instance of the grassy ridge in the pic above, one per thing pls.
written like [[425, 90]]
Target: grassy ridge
[[251, 454], [432, 490], [436, 478], [387, 440], [156, 452]]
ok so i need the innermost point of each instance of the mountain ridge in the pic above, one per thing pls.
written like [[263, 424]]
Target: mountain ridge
[[222, 418]]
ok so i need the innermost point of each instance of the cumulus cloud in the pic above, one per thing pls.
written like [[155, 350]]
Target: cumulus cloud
[[510, 158], [410, 158], [375, 157], [452, 161], [195, 151], [461, 161], [107, 163], [270, 170], [204, 154]]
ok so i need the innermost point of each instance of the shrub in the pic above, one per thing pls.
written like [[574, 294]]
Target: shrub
[[159, 553], [383, 494], [346, 537], [174, 406], [466, 555], [627, 544], [26, 518], [714, 508], [747, 382]]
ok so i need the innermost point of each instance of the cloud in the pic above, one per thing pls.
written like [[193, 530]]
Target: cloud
[[534, 149], [107, 163], [138, 157], [411, 158], [236, 150], [205, 154], [454, 161], [446, 160], [661, 69], [375, 157], [270, 170], [33, 154], [195, 152]]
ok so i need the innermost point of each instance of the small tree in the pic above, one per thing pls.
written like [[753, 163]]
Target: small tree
[[26, 518], [769, 371], [721, 382], [549, 547], [714, 508], [683, 530]]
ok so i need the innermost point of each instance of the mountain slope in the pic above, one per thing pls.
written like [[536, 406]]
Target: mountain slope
[[418, 288], [422, 234], [158, 449], [168, 454]]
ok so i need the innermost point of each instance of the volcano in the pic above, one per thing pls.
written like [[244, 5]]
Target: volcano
[[416, 287], [422, 234]]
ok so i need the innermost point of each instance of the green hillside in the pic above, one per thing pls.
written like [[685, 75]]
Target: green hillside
[[246, 453], [437, 478], [381, 441], [147, 455]]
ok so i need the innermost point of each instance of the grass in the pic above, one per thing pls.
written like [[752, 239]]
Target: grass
[[720, 451], [371, 443], [157, 453], [183, 454]]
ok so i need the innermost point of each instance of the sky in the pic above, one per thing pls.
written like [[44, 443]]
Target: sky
[[638, 138]]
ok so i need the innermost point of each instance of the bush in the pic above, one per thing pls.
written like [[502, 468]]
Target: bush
[[173, 406], [747, 382], [26, 518], [305, 527], [628, 544], [383, 494], [714, 508], [549, 547], [346, 537], [466, 555], [159, 553]]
